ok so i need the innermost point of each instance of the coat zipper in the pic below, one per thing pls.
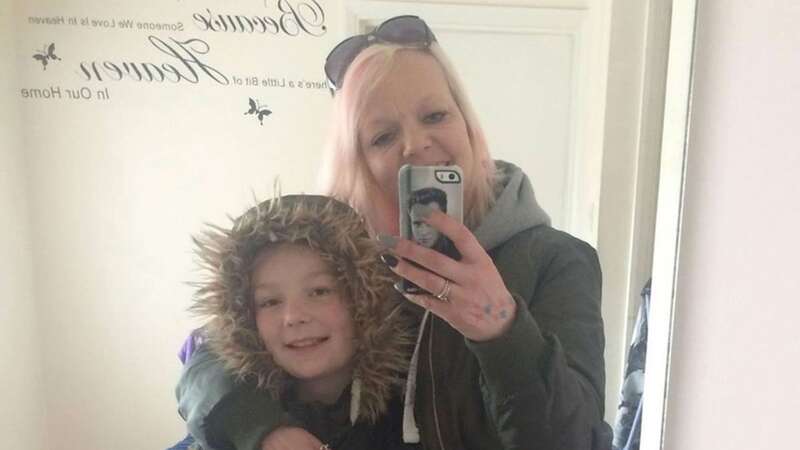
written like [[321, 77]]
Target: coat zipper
[[433, 386]]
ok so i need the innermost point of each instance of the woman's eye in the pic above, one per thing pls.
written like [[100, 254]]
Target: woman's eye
[[435, 117], [383, 139]]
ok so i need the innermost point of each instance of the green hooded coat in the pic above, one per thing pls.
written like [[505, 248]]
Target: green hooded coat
[[365, 415], [539, 386]]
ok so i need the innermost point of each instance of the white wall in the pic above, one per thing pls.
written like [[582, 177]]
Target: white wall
[[22, 412], [115, 188], [734, 381]]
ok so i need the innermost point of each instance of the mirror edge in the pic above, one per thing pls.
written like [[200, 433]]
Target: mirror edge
[[677, 111]]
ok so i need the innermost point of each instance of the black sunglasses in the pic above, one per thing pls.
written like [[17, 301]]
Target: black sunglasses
[[404, 30]]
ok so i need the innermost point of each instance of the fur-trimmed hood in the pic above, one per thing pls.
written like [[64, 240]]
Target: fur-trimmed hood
[[384, 332]]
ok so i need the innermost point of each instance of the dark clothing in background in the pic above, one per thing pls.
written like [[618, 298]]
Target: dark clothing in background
[[627, 428]]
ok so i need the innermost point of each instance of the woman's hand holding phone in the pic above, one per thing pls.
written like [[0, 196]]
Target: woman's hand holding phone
[[476, 302]]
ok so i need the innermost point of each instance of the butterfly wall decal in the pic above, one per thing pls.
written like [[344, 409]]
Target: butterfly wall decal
[[49, 53], [257, 110]]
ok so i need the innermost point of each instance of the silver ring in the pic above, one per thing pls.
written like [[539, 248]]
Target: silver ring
[[443, 295]]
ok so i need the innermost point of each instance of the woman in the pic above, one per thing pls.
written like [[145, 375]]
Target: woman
[[510, 349], [299, 305]]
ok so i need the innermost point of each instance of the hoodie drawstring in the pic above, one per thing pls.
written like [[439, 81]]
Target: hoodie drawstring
[[355, 400], [410, 429]]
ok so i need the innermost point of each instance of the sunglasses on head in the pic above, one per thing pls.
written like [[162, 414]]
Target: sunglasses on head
[[404, 30]]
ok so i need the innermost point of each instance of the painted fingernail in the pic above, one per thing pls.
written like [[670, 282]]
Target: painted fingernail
[[389, 260], [387, 240]]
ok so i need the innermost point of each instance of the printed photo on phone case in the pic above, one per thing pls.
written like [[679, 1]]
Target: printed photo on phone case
[[437, 187]]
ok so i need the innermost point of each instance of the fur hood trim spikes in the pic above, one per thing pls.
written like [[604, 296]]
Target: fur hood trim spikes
[[383, 328]]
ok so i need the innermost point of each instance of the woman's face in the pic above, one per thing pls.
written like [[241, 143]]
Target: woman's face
[[302, 317], [410, 118]]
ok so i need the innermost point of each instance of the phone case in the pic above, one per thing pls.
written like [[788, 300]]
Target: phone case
[[439, 187]]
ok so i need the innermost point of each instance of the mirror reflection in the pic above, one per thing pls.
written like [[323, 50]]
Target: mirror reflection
[[142, 123]]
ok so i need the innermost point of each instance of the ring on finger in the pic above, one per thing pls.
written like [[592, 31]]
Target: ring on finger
[[443, 295]]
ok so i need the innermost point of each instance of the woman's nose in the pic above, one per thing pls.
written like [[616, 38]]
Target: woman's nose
[[416, 146]]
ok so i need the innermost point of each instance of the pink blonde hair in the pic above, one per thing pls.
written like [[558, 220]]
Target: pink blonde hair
[[345, 172]]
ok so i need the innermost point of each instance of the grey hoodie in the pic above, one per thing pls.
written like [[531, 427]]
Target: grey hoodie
[[515, 208]]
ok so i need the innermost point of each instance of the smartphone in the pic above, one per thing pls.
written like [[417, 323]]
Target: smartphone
[[439, 187]]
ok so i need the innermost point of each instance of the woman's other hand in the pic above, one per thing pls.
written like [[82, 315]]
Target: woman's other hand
[[291, 438], [476, 301]]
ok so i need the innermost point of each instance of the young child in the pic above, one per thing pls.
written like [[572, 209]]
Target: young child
[[299, 304]]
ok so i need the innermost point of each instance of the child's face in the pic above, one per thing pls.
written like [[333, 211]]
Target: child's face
[[301, 315]]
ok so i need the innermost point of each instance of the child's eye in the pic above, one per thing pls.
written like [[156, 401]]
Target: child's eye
[[435, 117], [267, 302], [321, 291]]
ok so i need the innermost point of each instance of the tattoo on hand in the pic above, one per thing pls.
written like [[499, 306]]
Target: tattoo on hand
[[502, 315]]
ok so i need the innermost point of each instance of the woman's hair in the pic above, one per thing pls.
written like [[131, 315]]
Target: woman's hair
[[346, 175]]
